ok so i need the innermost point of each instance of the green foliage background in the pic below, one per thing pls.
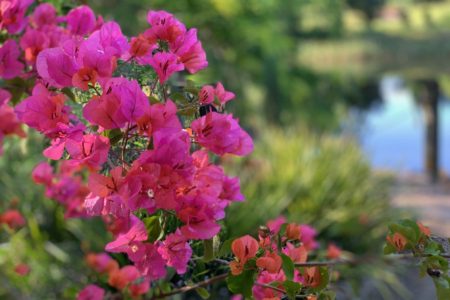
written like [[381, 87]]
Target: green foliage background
[[302, 166]]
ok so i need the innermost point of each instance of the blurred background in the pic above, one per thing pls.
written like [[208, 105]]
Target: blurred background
[[348, 103]]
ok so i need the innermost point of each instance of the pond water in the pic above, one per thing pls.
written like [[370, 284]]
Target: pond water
[[392, 133]]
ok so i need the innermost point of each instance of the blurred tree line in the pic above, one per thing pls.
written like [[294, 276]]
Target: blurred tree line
[[253, 48]]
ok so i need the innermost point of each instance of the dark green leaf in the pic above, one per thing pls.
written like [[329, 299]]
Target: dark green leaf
[[225, 249], [283, 228], [208, 250], [242, 284], [292, 288], [153, 227], [68, 92], [442, 287], [202, 292], [433, 248], [389, 249], [114, 135], [327, 295], [288, 266]]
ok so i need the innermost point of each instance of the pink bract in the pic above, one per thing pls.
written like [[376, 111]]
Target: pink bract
[[10, 66], [221, 134]]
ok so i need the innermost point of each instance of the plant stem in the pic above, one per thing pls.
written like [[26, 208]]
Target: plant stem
[[186, 289]]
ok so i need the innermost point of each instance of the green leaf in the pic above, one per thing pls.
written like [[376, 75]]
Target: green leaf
[[114, 135], [242, 284], [288, 266], [68, 92], [432, 248], [283, 229], [327, 295], [208, 250], [153, 227], [18, 88], [389, 249], [202, 292], [292, 288], [437, 262], [225, 249], [442, 287], [191, 88], [179, 98]]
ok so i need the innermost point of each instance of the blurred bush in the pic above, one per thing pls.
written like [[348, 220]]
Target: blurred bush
[[321, 180], [52, 247]]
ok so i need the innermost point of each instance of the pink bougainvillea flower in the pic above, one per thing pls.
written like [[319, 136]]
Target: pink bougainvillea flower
[[10, 66], [58, 65], [148, 261], [121, 278], [141, 49], [10, 124], [164, 169], [110, 39], [165, 64], [22, 269], [5, 96], [43, 110], [91, 151], [231, 189], [190, 51], [397, 240], [83, 77], [221, 134], [308, 237], [159, 117], [271, 262], [61, 134], [275, 225], [311, 277], [13, 218], [135, 233], [43, 15], [266, 278], [81, 20], [12, 15], [222, 95], [101, 263], [139, 287], [122, 102], [164, 26], [32, 43], [176, 251], [200, 224], [42, 174], [244, 248], [424, 229], [297, 254], [91, 292], [112, 195], [333, 251], [293, 231], [206, 94]]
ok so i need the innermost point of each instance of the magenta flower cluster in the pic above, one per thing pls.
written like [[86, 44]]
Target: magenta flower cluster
[[172, 172]]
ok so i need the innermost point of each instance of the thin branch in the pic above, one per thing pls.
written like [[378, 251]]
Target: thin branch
[[270, 287], [188, 288]]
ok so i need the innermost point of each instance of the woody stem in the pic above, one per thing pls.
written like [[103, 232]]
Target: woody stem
[[188, 288]]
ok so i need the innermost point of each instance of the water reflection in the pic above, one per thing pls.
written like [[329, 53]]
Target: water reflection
[[392, 133]]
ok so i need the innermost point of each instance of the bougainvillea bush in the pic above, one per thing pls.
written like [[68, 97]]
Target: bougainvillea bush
[[134, 143]]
